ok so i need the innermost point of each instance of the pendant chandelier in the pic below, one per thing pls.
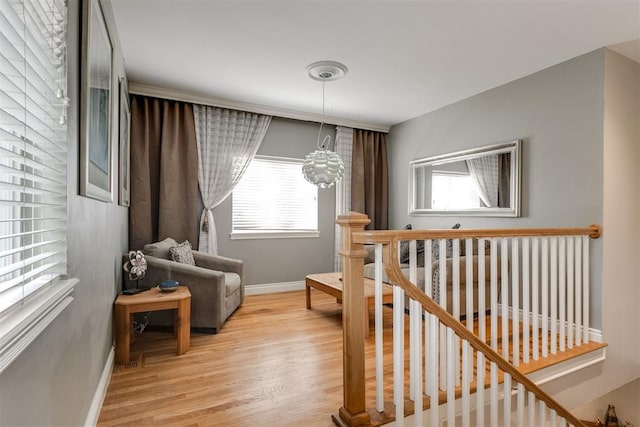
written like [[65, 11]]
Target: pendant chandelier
[[324, 167]]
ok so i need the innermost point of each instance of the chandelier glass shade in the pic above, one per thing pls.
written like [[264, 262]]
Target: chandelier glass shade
[[324, 167]]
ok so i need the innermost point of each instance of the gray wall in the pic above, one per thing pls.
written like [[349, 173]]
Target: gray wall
[[54, 381], [621, 248], [284, 260], [558, 113]]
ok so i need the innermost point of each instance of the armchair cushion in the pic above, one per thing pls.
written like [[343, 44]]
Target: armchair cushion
[[182, 253]]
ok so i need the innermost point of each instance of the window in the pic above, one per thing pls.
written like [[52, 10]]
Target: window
[[274, 200], [451, 190], [33, 164]]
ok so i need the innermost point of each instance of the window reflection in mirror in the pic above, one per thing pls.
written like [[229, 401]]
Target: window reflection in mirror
[[480, 182]]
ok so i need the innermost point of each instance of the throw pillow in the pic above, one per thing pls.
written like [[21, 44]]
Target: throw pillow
[[404, 247], [435, 247], [160, 249], [182, 253]]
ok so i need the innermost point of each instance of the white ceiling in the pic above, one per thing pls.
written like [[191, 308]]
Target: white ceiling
[[405, 58]]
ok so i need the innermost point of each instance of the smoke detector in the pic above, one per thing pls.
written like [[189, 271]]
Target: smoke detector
[[326, 71]]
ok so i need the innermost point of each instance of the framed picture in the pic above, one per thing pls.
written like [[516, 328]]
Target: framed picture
[[96, 155], [125, 158]]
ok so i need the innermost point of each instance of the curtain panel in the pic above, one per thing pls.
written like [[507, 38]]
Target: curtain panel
[[227, 141], [369, 177], [164, 178]]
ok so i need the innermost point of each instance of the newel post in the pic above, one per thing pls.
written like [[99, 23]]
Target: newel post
[[353, 411]]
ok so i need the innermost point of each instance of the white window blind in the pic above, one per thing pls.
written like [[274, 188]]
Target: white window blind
[[274, 197], [33, 151]]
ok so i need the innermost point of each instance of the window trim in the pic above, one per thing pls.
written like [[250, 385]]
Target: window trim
[[249, 235], [21, 326]]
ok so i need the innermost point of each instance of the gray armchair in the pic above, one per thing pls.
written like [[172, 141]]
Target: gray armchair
[[216, 284]]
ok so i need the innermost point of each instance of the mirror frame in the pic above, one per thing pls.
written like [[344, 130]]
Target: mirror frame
[[514, 147]]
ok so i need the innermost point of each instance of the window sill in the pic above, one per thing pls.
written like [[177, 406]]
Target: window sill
[[20, 327], [240, 235]]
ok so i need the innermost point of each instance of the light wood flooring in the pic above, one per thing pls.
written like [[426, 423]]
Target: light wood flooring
[[274, 363]]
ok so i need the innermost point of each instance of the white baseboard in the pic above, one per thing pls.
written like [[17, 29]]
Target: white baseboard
[[101, 391], [272, 288]]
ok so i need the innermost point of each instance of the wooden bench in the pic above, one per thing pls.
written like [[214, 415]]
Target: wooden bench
[[331, 283]]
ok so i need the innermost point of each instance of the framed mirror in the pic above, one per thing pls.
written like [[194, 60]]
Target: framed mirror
[[482, 181]]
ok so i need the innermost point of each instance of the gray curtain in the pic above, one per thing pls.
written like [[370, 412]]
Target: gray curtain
[[369, 177], [164, 172]]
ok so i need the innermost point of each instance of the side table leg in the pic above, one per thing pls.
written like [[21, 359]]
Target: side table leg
[[307, 290], [123, 334], [183, 325]]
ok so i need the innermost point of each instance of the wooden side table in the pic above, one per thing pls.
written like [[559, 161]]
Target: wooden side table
[[152, 300]]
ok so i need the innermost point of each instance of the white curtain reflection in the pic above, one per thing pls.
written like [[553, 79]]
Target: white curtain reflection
[[484, 173]]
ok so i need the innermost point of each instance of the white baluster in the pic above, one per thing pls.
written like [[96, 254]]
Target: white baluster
[[585, 289], [553, 417], [525, 300], [431, 372], [542, 407], [398, 354], [515, 301], [467, 372], [378, 329], [520, 405], [442, 268], [456, 304], [504, 298], [506, 414], [414, 309], [469, 284], [544, 311], [417, 375], [570, 291], [429, 351], [562, 422], [480, 379], [482, 280], [493, 395], [467, 351], [578, 299], [535, 290], [563, 292], [451, 374], [494, 294], [531, 409], [554, 296], [415, 334]]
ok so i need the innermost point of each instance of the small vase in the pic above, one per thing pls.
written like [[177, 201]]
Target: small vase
[[610, 418]]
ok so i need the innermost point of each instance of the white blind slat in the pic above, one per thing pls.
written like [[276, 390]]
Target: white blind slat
[[274, 196], [33, 146]]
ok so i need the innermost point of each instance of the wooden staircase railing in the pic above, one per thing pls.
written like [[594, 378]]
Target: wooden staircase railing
[[445, 377]]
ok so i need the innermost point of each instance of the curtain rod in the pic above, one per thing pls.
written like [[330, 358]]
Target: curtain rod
[[174, 95]]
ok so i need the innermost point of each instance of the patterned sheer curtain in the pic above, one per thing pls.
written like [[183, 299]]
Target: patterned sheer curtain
[[227, 141], [344, 148], [484, 173]]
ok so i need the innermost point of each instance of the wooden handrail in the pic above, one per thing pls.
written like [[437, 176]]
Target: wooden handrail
[[384, 236], [390, 261]]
